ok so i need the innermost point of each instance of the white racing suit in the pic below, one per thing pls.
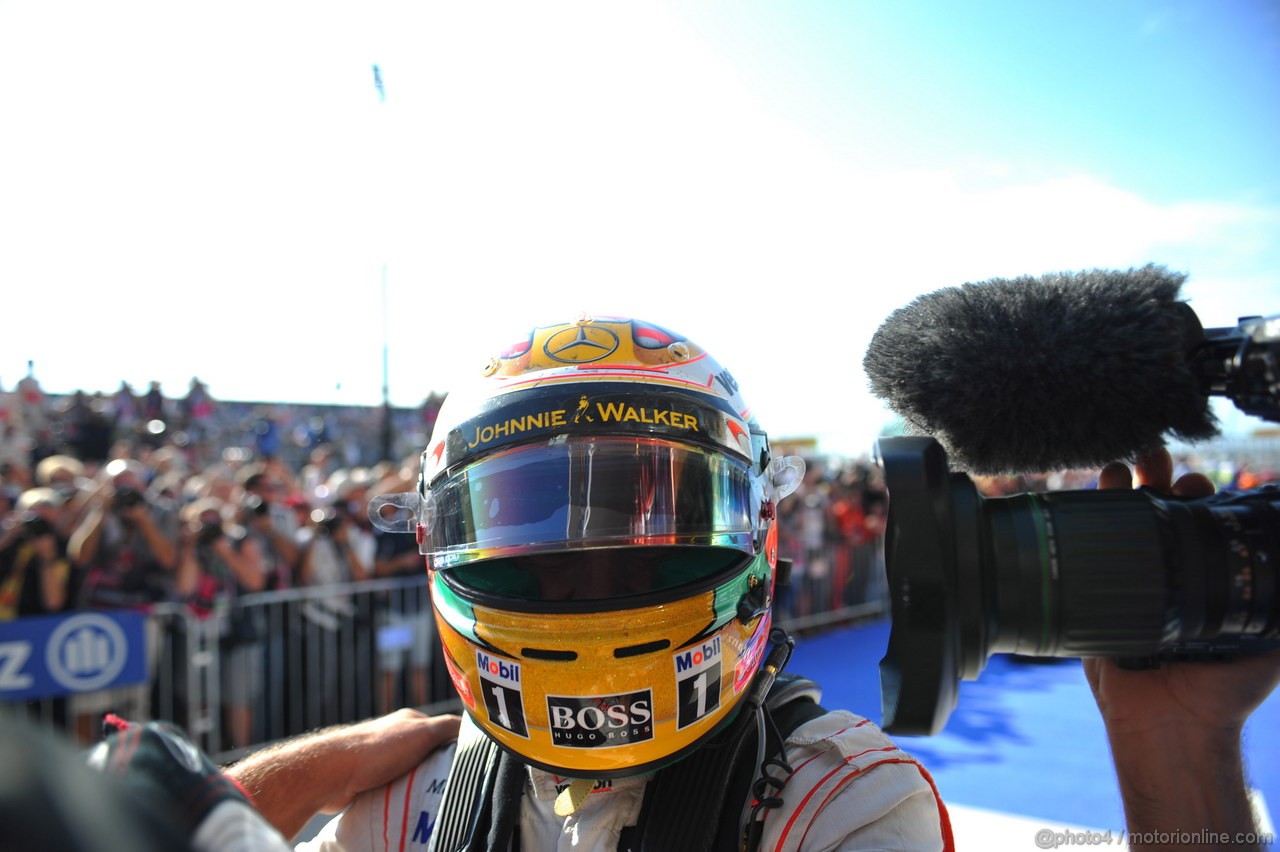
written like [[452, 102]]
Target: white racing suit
[[851, 788]]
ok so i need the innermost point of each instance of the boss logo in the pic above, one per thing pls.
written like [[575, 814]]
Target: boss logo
[[604, 721]]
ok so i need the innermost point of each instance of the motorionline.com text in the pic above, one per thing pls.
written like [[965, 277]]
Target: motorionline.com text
[[1047, 838]]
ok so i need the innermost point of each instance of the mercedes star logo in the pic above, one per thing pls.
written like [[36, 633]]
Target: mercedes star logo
[[581, 344]]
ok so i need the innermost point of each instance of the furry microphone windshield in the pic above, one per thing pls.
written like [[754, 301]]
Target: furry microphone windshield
[[1069, 370]]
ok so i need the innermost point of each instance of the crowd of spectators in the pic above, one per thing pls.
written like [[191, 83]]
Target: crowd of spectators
[[123, 501], [126, 500]]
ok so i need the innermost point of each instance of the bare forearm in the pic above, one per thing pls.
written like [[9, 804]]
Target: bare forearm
[[359, 571], [83, 546], [288, 783], [187, 576], [324, 771], [285, 547], [162, 548], [245, 564], [53, 584], [1188, 784]]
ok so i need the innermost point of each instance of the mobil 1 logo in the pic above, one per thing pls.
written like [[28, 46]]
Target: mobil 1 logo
[[500, 685], [697, 682], [600, 721]]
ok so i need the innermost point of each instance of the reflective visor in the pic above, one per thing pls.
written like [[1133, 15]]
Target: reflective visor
[[589, 492]]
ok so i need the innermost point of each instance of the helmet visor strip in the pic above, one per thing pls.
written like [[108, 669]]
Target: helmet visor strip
[[589, 493]]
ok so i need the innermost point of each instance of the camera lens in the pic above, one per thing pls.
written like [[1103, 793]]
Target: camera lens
[[36, 525], [1062, 574], [1129, 573], [255, 505]]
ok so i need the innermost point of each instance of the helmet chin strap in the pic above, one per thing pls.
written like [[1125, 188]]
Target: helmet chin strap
[[572, 797]]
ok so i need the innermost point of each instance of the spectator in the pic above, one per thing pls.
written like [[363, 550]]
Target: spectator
[[65, 476], [15, 445], [321, 462], [87, 430], [406, 630], [126, 410], [273, 528], [62, 473], [267, 434], [127, 548], [334, 552], [168, 459], [153, 404], [31, 401], [197, 407], [266, 517], [196, 412], [34, 571], [219, 563], [334, 549]]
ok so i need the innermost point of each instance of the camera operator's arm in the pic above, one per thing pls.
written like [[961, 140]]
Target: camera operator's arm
[[1175, 730], [187, 576], [360, 570], [244, 561], [53, 572], [401, 563], [83, 547], [11, 535], [163, 548], [307, 560], [285, 547]]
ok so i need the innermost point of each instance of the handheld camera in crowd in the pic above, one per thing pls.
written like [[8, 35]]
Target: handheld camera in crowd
[[1133, 575]]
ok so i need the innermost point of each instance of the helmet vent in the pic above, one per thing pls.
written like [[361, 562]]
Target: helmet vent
[[548, 654], [638, 650]]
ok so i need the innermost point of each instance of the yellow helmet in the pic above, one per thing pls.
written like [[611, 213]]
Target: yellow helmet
[[597, 515]]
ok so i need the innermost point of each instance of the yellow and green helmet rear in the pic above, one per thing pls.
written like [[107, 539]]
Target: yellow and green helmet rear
[[597, 515]]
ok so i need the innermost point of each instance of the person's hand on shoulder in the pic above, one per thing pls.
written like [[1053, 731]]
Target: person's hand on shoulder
[[323, 771]]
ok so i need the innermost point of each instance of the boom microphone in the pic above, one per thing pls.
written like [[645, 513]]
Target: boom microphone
[[1069, 370]]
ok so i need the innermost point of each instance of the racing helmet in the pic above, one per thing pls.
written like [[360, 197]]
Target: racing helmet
[[597, 515]]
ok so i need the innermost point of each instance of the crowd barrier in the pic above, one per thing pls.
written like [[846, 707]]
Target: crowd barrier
[[276, 664]]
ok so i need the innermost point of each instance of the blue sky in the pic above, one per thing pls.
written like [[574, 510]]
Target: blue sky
[[1171, 99], [216, 190]]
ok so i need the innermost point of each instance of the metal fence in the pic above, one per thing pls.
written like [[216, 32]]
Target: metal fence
[[276, 664]]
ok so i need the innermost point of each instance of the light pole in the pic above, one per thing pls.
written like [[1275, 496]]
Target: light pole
[[386, 382]]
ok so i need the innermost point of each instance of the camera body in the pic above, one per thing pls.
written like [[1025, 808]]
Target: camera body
[[327, 521], [126, 498], [35, 525], [255, 506], [210, 531], [1127, 574]]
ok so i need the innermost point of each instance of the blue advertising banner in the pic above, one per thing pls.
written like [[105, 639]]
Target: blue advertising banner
[[63, 654]]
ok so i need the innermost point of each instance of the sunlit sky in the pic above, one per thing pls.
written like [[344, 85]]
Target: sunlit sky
[[218, 190]]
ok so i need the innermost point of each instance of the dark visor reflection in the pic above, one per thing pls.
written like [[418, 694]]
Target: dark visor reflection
[[594, 490]]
